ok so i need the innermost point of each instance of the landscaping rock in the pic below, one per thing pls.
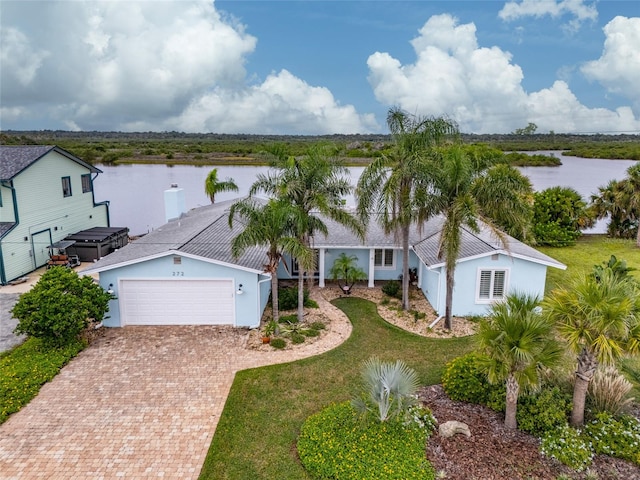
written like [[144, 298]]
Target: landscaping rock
[[452, 427]]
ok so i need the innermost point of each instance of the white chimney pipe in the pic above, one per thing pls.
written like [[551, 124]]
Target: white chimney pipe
[[174, 203]]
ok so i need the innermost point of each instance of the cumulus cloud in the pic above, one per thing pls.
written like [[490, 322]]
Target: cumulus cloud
[[480, 87], [618, 69], [122, 65], [577, 9]]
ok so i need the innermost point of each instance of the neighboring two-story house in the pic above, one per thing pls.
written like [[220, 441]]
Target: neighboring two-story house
[[46, 194]]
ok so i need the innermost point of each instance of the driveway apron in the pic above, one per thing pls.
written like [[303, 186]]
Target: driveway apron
[[140, 402]]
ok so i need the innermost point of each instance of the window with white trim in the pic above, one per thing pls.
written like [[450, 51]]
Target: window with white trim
[[384, 258], [492, 285]]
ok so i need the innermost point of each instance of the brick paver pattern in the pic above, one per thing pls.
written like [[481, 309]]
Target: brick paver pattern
[[141, 402]]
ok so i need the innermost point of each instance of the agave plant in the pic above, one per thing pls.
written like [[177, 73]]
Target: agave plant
[[388, 389]]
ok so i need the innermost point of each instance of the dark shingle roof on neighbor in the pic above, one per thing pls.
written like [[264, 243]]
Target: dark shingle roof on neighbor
[[204, 232], [15, 158]]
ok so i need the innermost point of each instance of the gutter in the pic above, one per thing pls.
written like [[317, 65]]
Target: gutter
[[105, 202], [267, 279]]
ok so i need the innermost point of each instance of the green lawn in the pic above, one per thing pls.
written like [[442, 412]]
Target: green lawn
[[266, 406], [589, 250]]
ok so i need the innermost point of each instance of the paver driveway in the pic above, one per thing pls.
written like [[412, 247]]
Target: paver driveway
[[141, 402]]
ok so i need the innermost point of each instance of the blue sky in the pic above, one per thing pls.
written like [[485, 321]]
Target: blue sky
[[319, 67]]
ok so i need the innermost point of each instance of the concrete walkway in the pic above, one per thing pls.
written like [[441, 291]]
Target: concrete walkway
[[8, 339], [141, 402]]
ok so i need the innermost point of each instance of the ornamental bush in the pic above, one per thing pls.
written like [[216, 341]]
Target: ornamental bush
[[465, 380], [568, 446], [392, 289], [542, 412], [59, 307], [288, 299], [618, 438], [334, 444]]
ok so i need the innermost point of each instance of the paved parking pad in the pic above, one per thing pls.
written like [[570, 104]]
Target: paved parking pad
[[141, 402]]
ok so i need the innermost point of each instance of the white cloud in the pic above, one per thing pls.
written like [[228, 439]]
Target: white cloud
[[578, 9], [480, 87], [618, 69], [119, 65]]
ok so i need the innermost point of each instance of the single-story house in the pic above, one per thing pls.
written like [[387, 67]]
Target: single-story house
[[184, 273]]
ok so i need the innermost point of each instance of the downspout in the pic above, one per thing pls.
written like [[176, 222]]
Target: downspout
[[259, 315], [105, 202], [437, 308], [9, 185]]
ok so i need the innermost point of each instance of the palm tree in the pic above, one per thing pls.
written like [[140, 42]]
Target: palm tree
[[599, 317], [271, 224], [315, 183], [515, 340], [467, 188], [212, 186], [392, 185], [345, 268]]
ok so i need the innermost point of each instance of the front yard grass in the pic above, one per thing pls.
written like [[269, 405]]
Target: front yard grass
[[25, 368], [266, 407]]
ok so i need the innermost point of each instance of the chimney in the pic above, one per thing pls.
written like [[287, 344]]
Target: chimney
[[174, 204]]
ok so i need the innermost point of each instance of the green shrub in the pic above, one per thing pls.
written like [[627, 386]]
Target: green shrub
[[288, 319], [310, 332], [465, 380], [545, 411], [278, 343], [609, 391], [392, 289], [317, 326], [567, 445], [59, 307], [25, 368], [288, 298], [333, 444], [618, 438], [297, 338]]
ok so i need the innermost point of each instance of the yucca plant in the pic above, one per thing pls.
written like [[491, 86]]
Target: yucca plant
[[609, 391], [388, 389]]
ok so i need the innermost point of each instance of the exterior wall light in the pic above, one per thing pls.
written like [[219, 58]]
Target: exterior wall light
[[110, 290], [239, 291]]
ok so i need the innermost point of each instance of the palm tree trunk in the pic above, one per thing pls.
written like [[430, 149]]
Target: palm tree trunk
[[448, 317], [405, 267], [638, 237], [274, 301], [587, 365], [300, 293], [513, 390]]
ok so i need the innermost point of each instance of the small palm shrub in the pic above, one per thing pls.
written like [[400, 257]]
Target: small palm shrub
[[288, 319], [297, 338], [392, 289], [334, 444], [544, 411], [618, 438], [465, 380], [609, 392], [318, 326], [288, 299], [388, 389], [310, 332], [567, 445]]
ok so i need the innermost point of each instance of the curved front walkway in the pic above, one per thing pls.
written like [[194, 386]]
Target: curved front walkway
[[141, 402]]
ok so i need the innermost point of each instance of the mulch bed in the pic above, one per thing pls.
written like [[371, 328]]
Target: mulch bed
[[495, 453]]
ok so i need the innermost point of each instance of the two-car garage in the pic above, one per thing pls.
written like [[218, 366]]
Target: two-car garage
[[176, 302]]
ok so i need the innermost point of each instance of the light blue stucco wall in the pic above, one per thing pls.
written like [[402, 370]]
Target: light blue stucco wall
[[523, 276], [248, 307]]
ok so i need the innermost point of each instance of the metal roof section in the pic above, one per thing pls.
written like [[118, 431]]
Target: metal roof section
[[15, 158]]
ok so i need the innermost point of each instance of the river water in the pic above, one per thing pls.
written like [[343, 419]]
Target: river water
[[136, 192]]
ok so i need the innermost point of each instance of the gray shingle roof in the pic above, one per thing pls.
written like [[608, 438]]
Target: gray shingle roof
[[203, 232], [15, 158], [5, 227]]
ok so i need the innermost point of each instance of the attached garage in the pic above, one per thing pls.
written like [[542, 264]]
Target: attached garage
[[177, 302]]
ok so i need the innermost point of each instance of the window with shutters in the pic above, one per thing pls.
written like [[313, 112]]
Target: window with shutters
[[384, 258], [492, 285]]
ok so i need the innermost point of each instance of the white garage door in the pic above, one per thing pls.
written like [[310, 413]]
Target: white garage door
[[177, 302]]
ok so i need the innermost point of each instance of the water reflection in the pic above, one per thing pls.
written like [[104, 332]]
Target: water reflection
[[136, 193]]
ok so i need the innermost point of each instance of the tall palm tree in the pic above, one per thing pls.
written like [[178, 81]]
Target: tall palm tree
[[271, 224], [392, 186], [599, 317], [315, 184], [213, 186], [515, 340], [468, 188]]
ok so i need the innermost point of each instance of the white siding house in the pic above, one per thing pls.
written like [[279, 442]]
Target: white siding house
[[46, 193]]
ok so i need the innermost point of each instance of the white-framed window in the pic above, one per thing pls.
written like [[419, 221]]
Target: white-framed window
[[492, 284], [295, 268], [384, 258]]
